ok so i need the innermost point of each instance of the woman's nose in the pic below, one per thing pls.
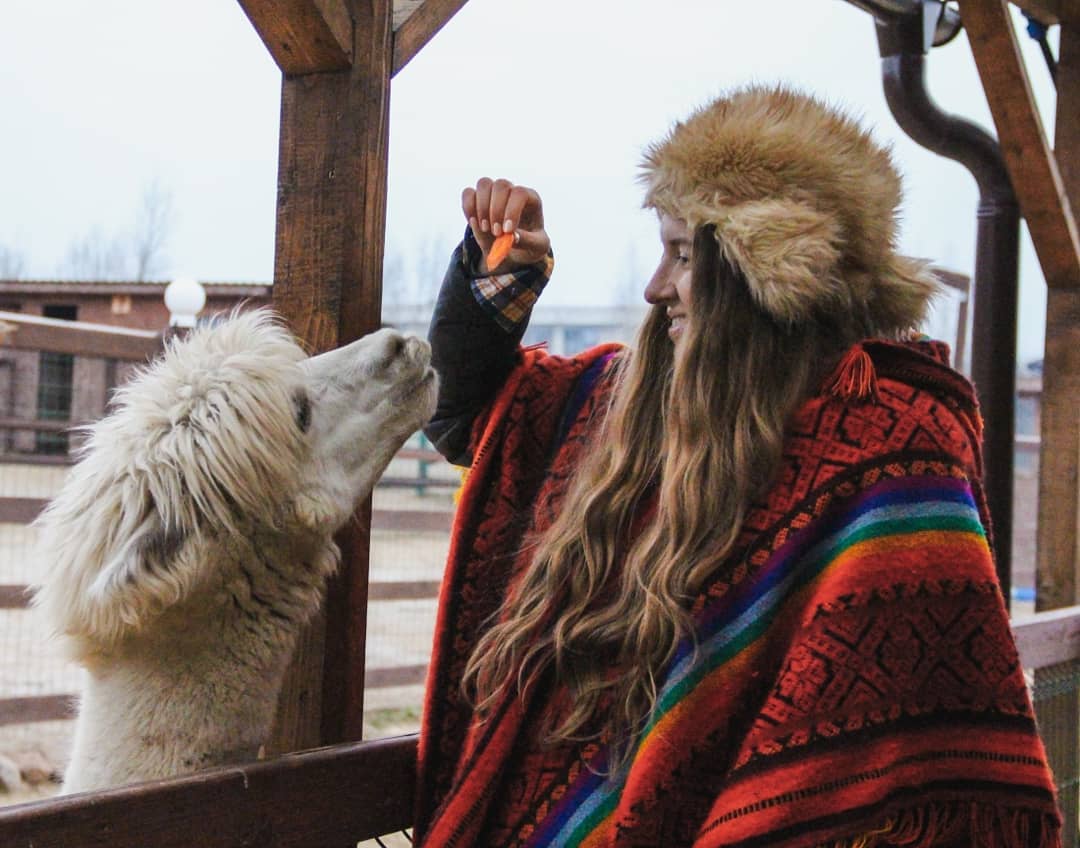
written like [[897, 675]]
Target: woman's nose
[[658, 289]]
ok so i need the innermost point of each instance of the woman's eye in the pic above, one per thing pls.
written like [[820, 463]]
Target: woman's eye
[[683, 258]]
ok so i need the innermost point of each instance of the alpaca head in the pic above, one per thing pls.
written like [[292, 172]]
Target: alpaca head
[[232, 435]]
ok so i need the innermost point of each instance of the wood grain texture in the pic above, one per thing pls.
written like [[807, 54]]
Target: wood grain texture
[[420, 27], [328, 285], [33, 708], [1032, 165], [304, 36], [1058, 561], [330, 798], [33, 332], [1051, 11], [1057, 566], [1048, 638]]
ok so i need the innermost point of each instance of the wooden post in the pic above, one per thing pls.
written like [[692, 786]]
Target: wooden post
[[1032, 165], [331, 222], [1047, 184], [337, 58], [1058, 548], [1059, 463]]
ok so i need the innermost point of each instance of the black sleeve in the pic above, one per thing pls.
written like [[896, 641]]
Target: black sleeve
[[472, 353]]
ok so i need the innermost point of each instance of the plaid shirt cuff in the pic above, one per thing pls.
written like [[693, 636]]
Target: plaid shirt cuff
[[507, 298]]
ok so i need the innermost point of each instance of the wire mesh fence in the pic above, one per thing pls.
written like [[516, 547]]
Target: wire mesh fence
[[1055, 692]]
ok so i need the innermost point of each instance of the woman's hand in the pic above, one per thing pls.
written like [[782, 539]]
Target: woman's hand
[[495, 207]]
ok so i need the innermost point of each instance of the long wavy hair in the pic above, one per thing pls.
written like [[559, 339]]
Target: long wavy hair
[[703, 428]]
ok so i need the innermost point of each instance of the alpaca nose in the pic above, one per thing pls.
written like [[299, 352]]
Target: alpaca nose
[[395, 345]]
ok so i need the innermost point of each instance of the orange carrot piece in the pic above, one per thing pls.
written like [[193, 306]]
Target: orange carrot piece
[[500, 250]]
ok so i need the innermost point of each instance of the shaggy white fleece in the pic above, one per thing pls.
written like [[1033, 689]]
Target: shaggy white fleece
[[193, 538]]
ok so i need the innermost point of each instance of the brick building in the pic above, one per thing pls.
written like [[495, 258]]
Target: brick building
[[46, 387]]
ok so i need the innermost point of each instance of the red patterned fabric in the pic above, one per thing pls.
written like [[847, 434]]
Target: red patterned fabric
[[854, 680]]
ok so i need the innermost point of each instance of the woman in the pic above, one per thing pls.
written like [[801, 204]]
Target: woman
[[733, 586]]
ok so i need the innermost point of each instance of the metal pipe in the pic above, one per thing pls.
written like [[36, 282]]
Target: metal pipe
[[884, 9], [945, 26], [997, 252]]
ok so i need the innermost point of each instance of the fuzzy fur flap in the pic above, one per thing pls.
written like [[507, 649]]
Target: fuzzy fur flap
[[804, 202]]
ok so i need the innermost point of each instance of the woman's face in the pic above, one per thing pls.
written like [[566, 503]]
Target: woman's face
[[670, 283]]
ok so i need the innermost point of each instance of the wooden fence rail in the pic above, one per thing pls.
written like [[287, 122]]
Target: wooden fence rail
[[325, 798], [32, 332]]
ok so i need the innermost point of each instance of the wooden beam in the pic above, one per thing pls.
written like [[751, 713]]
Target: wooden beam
[[331, 224], [331, 798], [1057, 564], [420, 27], [32, 332], [32, 708], [20, 510], [1058, 557], [304, 36], [1051, 11], [14, 596], [1032, 164], [1048, 638]]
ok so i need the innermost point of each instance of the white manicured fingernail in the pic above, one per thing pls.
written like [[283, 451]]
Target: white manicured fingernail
[[484, 226], [496, 229], [508, 225]]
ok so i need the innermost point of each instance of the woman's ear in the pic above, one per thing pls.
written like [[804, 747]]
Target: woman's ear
[[788, 252]]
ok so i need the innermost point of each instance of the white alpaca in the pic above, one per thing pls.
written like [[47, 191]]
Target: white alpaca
[[193, 538]]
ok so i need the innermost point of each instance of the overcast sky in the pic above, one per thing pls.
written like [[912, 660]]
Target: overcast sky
[[103, 99]]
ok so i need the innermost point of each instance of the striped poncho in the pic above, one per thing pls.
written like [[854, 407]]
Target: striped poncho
[[854, 681]]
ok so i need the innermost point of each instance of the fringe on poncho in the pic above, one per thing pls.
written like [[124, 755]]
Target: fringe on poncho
[[854, 681]]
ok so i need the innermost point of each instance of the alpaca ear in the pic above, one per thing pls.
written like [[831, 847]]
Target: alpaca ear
[[787, 251], [142, 577]]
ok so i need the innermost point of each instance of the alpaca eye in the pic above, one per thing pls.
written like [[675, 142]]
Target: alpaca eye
[[303, 410]]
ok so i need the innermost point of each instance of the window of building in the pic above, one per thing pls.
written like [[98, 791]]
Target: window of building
[[55, 387]]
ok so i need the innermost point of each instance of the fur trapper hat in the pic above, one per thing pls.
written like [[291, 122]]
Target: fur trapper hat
[[804, 203]]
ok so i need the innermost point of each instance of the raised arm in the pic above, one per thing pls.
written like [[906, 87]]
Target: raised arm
[[481, 313]]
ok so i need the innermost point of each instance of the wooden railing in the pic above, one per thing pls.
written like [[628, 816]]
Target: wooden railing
[[326, 798], [32, 332]]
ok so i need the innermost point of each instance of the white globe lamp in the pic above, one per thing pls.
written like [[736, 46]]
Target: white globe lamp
[[184, 298]]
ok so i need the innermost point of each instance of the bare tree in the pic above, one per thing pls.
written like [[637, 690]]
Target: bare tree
[[152, 232], [139, 256], [97, 256], [12, 264]]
